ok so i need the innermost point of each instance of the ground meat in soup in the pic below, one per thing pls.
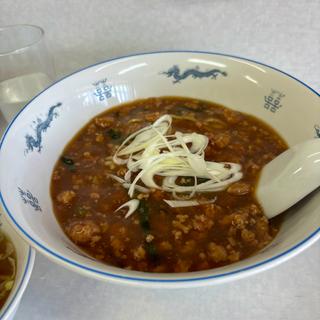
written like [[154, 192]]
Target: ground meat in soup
[[158, 238]]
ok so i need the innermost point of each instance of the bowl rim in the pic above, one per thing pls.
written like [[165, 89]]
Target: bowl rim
[[241, 272], [20, 288]]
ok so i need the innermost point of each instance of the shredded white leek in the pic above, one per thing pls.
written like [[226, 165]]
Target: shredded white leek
[[127, 185], [132, 205], [152, 151], [187, 203]]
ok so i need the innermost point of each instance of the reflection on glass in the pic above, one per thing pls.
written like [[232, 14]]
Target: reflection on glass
[[25, 67]]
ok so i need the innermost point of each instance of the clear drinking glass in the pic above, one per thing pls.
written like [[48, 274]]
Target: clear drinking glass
[[26, 67]]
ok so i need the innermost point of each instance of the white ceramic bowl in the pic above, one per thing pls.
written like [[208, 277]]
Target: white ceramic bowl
[[25, 259], [36, 137]]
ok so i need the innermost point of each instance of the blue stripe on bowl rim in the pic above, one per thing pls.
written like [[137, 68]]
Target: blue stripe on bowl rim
[[266, 263], [26, 274]]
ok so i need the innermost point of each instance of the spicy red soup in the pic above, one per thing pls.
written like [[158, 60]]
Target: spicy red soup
[[7, 267], [164, 229]]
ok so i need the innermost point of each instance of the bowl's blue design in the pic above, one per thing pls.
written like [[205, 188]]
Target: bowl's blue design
[[28, 198], [41, 126], [273, 100], [317, 128], [178, 75], [103, 90]]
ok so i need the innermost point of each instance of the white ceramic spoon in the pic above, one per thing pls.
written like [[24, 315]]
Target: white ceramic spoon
[[289, 177]]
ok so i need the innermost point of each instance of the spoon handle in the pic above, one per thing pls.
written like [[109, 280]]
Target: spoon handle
[[289, 177]]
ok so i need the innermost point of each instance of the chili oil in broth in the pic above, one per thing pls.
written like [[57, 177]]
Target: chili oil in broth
[[158, 238]]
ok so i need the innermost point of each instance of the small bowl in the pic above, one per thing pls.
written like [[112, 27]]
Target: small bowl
[[25, 259], [35, 138]]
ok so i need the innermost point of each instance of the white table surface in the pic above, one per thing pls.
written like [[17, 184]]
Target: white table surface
[[285, 34]]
